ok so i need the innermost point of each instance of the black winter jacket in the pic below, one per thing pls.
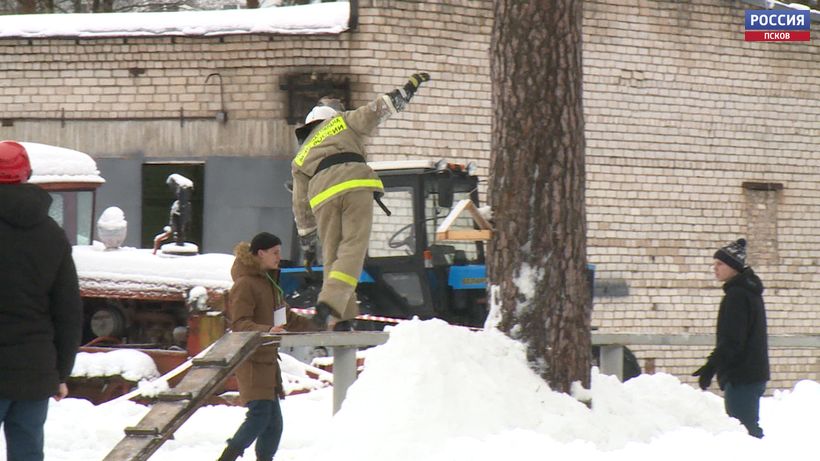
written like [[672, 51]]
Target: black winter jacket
[[741, 355], [40, 306]]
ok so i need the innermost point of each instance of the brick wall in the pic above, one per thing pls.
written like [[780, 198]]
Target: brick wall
[[69, 92], [452, 116], [680, 113]]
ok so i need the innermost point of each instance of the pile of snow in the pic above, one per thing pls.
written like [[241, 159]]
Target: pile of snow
[[426, 377], [130, 364], [112, 218], [137, 366], [138, 270], [300, 377], [112, 228], [57, 164], [442, 393], [198, 297], [793, 414]]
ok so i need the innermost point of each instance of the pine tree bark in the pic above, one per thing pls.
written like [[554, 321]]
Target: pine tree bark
[[537, 258]]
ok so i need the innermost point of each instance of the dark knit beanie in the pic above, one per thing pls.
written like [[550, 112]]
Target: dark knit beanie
[[264, 241], [733, 254]]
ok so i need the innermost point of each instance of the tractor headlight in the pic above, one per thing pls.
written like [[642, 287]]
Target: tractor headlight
[[108, 322]]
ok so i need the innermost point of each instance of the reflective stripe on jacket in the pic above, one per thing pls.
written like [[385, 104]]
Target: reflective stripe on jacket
[[343, 133]]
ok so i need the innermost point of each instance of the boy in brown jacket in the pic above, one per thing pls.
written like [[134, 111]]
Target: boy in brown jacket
[[333, 191], [254, 299]]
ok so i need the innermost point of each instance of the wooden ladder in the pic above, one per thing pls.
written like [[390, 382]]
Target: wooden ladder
[[178, 404]]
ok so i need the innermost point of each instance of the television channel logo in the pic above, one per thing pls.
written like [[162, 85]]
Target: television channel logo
[[778, 26]]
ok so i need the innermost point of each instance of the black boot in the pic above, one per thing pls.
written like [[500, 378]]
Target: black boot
[[323, 311], [344, 325], [230, 454]]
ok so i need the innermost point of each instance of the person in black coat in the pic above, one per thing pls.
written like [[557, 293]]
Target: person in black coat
[[741, 355], [40, 307]]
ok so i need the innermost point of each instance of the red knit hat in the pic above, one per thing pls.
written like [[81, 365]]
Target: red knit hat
[[15, 166]]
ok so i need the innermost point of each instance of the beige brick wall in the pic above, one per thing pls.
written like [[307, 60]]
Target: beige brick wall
[[88, 83], [452, 116], [680, 112]]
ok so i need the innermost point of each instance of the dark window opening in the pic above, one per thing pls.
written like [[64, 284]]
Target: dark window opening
[[158, 197]]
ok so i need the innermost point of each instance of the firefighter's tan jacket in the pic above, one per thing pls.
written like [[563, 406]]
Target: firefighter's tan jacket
[[344, 133]]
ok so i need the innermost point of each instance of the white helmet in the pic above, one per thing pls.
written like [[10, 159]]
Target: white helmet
[[320, 113]]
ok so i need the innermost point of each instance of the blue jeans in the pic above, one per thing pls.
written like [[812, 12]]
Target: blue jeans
[[263, 423], [23, 422], [742, 401]]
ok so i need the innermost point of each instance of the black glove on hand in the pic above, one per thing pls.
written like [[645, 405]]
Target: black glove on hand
[[413, 84], [400, 97], [705, 375], [309, 244]]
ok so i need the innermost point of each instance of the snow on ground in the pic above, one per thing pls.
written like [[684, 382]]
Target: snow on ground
[[437, 392]]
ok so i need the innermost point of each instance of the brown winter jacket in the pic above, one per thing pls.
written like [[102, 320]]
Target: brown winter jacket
[[340, 134], [253, 298]]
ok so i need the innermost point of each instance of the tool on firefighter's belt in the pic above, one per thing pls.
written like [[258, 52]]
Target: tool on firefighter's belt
[[377, 196], [309, 244]]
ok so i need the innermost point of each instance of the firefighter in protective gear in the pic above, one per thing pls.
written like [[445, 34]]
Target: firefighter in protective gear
[[333, 193]]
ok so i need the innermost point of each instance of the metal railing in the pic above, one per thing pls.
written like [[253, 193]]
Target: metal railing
[[611, 358]]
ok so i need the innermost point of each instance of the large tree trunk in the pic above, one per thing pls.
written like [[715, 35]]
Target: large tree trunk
[[537, 263]]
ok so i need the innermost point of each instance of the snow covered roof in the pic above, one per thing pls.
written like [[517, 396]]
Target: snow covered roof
[[136, 273], [51, 164], [401, 164], [320, 18]]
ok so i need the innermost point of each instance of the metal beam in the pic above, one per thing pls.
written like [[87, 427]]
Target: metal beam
[[659, 339]]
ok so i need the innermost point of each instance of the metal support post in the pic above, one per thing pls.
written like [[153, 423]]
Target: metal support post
[[612, 360], [344, 373]]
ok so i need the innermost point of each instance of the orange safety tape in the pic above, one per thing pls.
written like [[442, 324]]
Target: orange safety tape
[[374, 318]]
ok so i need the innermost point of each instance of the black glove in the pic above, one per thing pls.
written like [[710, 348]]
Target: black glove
[[705, 375], [400, 97], [414, 82], [309, 244]]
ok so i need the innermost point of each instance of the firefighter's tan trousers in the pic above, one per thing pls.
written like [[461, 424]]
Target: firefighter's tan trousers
[[344, 230]]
